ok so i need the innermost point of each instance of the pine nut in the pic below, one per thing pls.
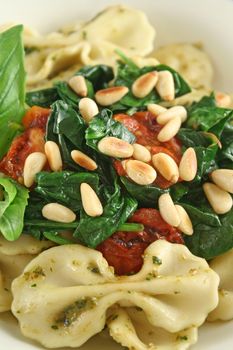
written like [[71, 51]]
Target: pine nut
[[168, 210], [140, 172], [107, 97], [78, 84], [144, 84], [185, 225], [59, 213], [88, 109], [223, 178], [90, 201], [169, 130], [83, 160], [166, 166], [223, 100], [188, 165], [53, 154], [114, 147], [156, 109], [141, 153], [166, 86], [220, 200], [34, 163], [176, 111]]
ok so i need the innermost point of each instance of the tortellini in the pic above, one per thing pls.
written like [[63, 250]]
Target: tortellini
[[222, 265], [93, 42], [68, 293], [14, 256]]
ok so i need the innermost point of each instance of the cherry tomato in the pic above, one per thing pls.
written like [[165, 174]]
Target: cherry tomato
[[124, 250]]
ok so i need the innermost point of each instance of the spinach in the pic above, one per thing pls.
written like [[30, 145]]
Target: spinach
[[69, 96], [205, 115], [64, 187], [128, 72], [43, 98], [99, 75], [205, 150], [66, 128], [12, 85], [118, 206], [209, 241], [147, 196], [12, 208], [103, 125]]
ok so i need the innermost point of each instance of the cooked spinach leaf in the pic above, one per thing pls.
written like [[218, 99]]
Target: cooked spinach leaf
[[64, 187], [66, 128], [206, 116], [12, 85], [210, 241], [69, 96], [128, 72], [43, 98], [12, 209], [117, 208], [99, 75], [147, 196], [103, 125]]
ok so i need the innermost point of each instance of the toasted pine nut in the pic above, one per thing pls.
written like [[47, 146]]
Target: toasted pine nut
[[144, 84], [166, 86], [223, 178], [141, 153], [169, 130], [185, 225], [176, 111], [78, 84], [114, 147], [223, 100], [168, 210], [156, 109], [53, 154], [188, 165], [220, 200], [107, 97], [90, 201], [58, 212], [88, 109], [34, 163], [83, 160], [166, 166], [140, 172]]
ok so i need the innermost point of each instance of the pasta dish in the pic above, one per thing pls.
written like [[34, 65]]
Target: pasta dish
[[116, 183]]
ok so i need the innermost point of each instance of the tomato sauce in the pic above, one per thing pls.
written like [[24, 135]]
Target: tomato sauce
[[31, 140], [124, 250], [145, 127]]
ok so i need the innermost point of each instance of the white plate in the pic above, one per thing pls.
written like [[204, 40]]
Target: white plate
[[209, 21]]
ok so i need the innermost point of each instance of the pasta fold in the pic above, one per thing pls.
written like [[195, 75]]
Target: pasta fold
[[222, 265], [66, 294]]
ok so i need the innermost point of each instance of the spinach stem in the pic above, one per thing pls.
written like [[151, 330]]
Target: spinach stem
[[133, 227]]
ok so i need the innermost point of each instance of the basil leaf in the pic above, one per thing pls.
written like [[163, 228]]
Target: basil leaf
[[9, 193], [11, 220], [103, 125], [64, 187], [12, 85]]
